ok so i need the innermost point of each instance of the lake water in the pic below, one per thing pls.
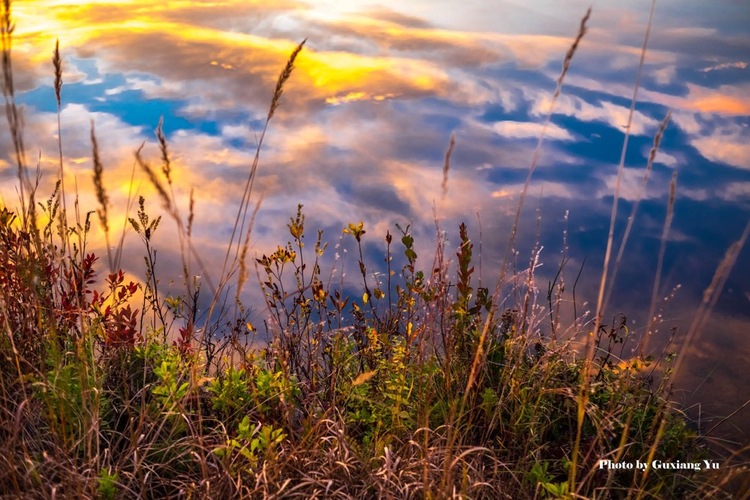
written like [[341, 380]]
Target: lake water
[[367, 115]]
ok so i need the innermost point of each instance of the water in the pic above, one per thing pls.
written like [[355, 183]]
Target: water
[[367, 115]]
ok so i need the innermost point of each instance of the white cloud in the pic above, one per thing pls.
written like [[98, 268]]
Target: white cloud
[[666, 159], [238, 132], [528, 130], [700, 194], [157, 89], [729, 144], [605, 112], [732, 65], [736, 191], [687, 121], [543, 188], [631, 186], [664, 75]]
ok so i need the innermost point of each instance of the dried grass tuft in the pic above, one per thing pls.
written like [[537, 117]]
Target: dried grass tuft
[[631, 220], [660, 262], [13, 114], [57, 63], [447, 164], [283, 77], [101, 192], [538, 149], [155, 181], [191, 213], [166, 167], [571, 52]]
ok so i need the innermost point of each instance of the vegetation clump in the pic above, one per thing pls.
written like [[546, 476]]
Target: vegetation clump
[[422, 385], [436, 393]]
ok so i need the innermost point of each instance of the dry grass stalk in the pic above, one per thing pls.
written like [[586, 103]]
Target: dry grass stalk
[[101, 195], [660, 262], [275, 103], [166, 200], [170, 206], [711, 295], [13, 115], [703, 313], [538, 149], [57, 63], [242, 277], [238, 230], [191, 213], [571, 51], [182, 234], [447, 165], [283, 77], [188, 252], [101, 192], [128, 208], [620, 169], [166, 162], [631, 220], [586, 373]]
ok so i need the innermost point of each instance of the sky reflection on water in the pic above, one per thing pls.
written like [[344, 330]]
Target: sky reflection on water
[[366, 119]]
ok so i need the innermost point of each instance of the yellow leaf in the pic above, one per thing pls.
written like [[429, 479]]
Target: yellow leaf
[[363, 377], [250, 327], [365, 298], [634, 365]]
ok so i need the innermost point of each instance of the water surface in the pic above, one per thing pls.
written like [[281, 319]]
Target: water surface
[[367, 115]]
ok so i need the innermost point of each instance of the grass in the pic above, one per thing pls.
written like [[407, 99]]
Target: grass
[[426, 386]]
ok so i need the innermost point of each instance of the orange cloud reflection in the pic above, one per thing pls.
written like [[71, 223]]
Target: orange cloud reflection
[[719, 102], [183, 40]]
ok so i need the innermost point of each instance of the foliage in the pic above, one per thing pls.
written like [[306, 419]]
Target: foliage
[[422, 384]]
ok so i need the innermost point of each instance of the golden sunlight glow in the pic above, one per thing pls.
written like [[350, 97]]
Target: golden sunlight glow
[[357, 96], [77, 24], [343, 75], [723, 104], [335, 77], [222, 65], [503, 193], [725, 100]]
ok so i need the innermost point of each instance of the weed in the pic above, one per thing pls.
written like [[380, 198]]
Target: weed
[[420, 385]]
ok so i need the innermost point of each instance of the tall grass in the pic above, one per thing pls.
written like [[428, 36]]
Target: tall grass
[[425, 386]]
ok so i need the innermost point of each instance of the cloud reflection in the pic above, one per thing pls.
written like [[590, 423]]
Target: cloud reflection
[[374, 98]]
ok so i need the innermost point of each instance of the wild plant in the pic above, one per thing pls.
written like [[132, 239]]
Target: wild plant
[[421, 384]]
